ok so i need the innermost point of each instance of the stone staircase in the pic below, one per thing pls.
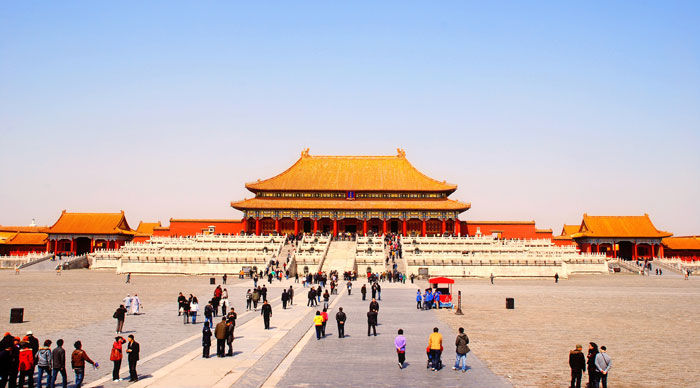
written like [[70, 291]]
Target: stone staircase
[[340, 256]]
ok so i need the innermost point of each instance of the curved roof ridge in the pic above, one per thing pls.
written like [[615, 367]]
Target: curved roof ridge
[[348, 172]]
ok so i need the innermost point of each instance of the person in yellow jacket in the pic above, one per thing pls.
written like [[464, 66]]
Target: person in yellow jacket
[[435, 346], [318, 323]]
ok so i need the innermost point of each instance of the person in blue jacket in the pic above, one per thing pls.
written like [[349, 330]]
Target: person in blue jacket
[[437, 298], [419, 300], [428, 298]]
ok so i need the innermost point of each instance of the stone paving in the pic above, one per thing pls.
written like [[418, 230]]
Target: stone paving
[[287, 355], [359, 360]]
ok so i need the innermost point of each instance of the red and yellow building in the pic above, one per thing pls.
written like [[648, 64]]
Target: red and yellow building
[[684, 247], [22, 240], [78, 233], [628, 237], [354, 194]]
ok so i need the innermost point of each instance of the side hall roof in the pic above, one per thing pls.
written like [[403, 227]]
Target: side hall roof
[[91, 223], [618, 226], [352, 173], [686, 243]]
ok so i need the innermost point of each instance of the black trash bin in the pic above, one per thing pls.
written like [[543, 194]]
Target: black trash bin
[[17, 315], [212, 281], [510, 303]]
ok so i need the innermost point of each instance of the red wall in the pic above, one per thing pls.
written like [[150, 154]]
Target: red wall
[[194, 227], [507, 230], [684, 254]]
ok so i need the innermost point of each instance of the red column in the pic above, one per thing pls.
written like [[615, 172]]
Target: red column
[[443, 228], [364, 227], [245, 225], [661, 250], [315, 225], [257, 226], [296, 226], [614, 249], [384, 226], [597, 248], [588, 248], [423, 228], [277, 225], [72, 245], [403, 227], [48, 246], [458, 228], [335, 226], [634, 251], [92, 245]]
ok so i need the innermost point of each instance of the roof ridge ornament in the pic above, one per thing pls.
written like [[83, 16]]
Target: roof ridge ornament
[[401, 152], [305, 153]]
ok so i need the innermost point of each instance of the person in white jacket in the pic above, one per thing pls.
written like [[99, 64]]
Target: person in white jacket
[[194, 308], [135, 304]]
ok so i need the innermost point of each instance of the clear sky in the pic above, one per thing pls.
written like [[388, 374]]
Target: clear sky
[[537, 110]]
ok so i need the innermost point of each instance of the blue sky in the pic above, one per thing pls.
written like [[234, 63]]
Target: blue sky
[[542, 111]]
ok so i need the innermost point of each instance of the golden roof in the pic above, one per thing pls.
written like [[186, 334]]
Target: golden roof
[[91, 223], [500, 222], [351, 173], [619, 226], [690, 243], [146, 228], [26, 238], [568, 230], [335, 204]]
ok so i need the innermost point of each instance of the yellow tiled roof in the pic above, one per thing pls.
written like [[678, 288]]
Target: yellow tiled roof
[[91, 223], [334, 204], [146, 228], [568, 230], [351, 173], [690, 243], [27, 238], [619, 226]]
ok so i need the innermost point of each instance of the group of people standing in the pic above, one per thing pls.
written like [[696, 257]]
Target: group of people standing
[[597, 361], [428, 300]]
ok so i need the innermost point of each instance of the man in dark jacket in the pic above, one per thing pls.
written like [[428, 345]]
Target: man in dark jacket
[[285, 298], [372, 322], [374, 306], [119, 315], [266, 312], [577, 362], [312, 298], [220, 334], [133, 350], [58, 360], [180, 303], [462, 344], [340, 317], [363, 291]]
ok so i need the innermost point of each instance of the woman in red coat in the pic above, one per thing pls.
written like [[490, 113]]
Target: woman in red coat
[[116, 356], [26, 364]]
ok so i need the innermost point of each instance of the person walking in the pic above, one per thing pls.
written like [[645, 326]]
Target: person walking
[[248, 299], [58, 361], [26, 364], [577, 363], [266, 312], [133, 349], [128, 278], [462, 344], [435, 344], [374, 290], [374, 306], [379, 292], [324, 314], [349, 285], [206, 340], [291, 295], [127, 303], [194, 309], [209, 314], [603, 362], [312, 298], [230, 334], [372, 322], [136, 304], [256, 299], [590, 361], [285, 299], [400, 345], [363, 291], [318, 324], [224, 301], [180, 304], [120, 315], [326, 299], [116, 355], [43, 361], [340, 318], [556, 277], [220, 334], [419, 300], [77, 360], [492, 277]]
